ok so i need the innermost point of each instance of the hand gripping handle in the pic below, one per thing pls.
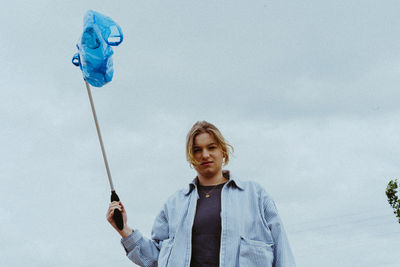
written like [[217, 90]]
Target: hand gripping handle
[[117, 217]]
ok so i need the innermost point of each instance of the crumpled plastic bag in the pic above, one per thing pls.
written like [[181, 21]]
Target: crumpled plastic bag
[[94, 55]]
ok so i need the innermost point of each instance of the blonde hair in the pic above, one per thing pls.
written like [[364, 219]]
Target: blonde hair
[[206, 127]]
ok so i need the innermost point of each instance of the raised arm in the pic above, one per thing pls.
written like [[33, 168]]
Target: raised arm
[[141, 250]]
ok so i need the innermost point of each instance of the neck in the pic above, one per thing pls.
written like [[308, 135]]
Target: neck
[[214, 180]]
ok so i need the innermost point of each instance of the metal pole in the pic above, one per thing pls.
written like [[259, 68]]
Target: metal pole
[[99, 134]]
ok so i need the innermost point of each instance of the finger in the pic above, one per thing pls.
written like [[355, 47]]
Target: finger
[[114, 203], [115, 206], [109, 217], [110, 211]]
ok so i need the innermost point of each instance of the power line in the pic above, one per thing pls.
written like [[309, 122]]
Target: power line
[[341, 224], [352, 214]]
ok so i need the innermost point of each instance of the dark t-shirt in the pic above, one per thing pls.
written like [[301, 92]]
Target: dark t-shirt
[[206, 231]]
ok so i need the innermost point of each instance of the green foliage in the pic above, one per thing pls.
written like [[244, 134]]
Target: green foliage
[[393, 199]]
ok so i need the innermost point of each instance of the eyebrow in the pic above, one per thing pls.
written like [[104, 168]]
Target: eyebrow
[[210, 144]]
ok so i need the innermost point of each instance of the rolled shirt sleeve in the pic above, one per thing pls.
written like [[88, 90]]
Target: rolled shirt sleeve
[[144, 251]]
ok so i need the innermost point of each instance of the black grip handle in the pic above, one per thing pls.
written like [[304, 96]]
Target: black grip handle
[[117, 217]]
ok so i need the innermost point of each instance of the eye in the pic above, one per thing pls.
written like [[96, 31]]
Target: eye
[[212, 147], [196, 150]]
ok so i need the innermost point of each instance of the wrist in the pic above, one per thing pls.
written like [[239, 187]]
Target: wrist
[[126, 231]]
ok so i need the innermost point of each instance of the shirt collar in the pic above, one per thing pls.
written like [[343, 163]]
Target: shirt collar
[[232, 181]]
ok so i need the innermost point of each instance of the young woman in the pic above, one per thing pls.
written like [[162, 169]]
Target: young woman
[[217, 220]]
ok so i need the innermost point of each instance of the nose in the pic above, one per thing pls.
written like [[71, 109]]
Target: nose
[[205, 154]]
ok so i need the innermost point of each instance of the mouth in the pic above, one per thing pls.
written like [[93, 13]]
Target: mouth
[[206, 163]]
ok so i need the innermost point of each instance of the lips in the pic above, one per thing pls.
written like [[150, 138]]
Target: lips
[[206, 163]]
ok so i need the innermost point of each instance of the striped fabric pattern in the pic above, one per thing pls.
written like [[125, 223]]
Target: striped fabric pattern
[[252, 234]]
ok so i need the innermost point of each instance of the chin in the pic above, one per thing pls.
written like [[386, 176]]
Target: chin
[[208, 172]]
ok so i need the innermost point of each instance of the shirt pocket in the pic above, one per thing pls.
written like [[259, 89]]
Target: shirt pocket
[[165, 252], [255, 253]]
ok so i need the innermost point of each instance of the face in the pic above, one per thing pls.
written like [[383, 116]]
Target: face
[[209, 154]]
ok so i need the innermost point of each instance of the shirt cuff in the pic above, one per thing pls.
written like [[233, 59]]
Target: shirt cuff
[[131, 241]]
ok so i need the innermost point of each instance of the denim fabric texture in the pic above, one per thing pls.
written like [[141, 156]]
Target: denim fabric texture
[[252, 233]]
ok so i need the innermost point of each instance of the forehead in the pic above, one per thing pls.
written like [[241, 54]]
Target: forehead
[[204, 139]]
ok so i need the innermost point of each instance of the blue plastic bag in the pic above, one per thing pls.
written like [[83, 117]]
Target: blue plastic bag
[[94, 48]]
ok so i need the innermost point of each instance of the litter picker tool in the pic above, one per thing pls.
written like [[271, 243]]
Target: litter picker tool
[[94, 58]]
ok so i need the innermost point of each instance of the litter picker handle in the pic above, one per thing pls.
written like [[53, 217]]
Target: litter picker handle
[[103, 151], [117, 217]]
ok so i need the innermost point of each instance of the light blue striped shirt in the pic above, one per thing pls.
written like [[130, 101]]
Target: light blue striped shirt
[[252, 233]]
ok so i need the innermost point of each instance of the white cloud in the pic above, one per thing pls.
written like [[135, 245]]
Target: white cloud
[[306, 92]]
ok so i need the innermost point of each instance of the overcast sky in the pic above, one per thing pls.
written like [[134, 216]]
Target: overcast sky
[[307, 92]]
